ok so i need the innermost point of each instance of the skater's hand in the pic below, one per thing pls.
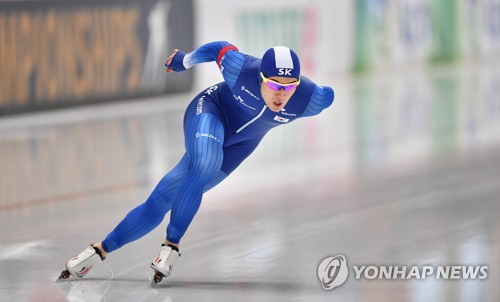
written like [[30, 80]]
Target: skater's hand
[[169, 61]]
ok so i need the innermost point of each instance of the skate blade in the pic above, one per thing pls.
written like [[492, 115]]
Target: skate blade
[[156, 279], [64, 275]]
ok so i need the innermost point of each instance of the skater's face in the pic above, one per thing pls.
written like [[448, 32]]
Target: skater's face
[[277, 91]]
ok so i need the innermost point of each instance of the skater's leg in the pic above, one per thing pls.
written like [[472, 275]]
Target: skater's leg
[[204, 135], [233, 157], [148, 215], [215, 181]]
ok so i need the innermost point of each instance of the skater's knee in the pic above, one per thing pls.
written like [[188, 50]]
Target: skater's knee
[[206, 167], [160, 201], [167, 185]]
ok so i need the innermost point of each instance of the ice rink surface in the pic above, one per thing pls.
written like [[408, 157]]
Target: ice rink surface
[[403, 169]]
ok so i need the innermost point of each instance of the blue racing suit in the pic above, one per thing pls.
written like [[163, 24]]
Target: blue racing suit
[[222, 126]]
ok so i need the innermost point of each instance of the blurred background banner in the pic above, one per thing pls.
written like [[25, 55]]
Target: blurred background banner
[[418, 31], [62, 53]]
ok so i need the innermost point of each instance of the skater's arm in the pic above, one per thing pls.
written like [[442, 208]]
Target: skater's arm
[[226, 55], [321, 98]]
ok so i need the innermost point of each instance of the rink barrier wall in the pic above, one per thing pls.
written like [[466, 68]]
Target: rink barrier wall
[[334, 37], [389, 33], [62, 53]]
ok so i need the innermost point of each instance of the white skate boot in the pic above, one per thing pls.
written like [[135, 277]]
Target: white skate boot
[[80, 265], [164, 263]]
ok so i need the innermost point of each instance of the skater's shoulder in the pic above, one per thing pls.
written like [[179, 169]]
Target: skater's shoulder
[[251, 66]]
